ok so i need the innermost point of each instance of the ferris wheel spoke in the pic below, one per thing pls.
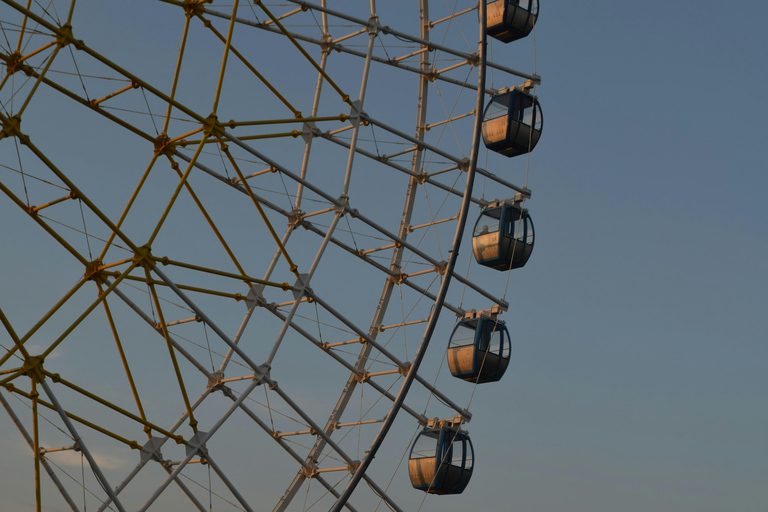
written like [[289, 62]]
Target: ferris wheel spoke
[[186, 490], [280, 172], [403, 366], [97, 107], [415, 39], [83, 447], [43, 460], [308, 144], [256, 368], [151, 450], [40, 75], [251, 68], [176, 345], [313, 425], [223, 477], [356, 374], [80, 45], [386, 160], [392, 62], [337, 202], [200, 450], [430, 260], [306, 467]]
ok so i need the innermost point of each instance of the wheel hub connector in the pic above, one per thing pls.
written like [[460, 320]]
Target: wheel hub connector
[[93, 272], [143, 256], [33, 368], [12, 128]]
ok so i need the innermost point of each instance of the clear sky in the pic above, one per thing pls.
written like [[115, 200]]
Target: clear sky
[[644, 383], [638, 379]]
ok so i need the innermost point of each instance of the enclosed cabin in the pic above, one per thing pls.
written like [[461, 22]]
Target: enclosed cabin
[[503, 237], [479, 349], [510, 20], [512, 122], [441, 460]]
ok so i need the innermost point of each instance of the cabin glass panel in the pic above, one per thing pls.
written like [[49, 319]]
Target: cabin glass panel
[[463, 335], [469, 460], [495, 339], [499, 107], [455, 452], [528, 230], [524, 109], [488, 222], [537, 117], [425, 445]]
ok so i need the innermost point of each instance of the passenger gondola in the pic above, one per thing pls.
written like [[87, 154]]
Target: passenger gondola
[[510, 20], [441, 461], [512, 123], [503, 237], [479, 350]]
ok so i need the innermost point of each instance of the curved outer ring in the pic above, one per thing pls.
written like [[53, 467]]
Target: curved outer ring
[[389, 420]]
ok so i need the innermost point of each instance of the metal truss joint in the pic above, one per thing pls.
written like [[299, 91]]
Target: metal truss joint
[[214, 381], [162, 147], [341, 206], [355, 114], [309, 130], [301, 287], [212, 127], [261, 373], [151, 450], [194, 8], [326, 44], [398, 278], [143, 256], [374, 27], [309, 471], [195, 446], [93, 272], [66, 37], [256, 296], [33, 368], [12, 128], [295, 218], [13, 62]]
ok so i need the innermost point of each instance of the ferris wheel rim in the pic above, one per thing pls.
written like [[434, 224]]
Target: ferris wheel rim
[[467, 199]]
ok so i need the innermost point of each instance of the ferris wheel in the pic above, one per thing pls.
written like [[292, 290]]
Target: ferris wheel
[[245, 262]]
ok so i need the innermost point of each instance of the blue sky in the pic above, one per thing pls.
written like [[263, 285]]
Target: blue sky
[[649, 387]]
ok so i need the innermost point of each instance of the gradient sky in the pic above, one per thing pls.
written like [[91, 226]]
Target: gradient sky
[[643, 382]]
